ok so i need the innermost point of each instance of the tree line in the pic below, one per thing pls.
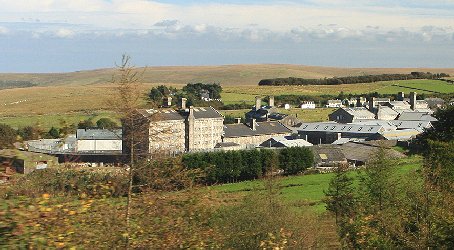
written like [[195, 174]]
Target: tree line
[[9, 135], [193, 92], [11, 84], [350, 79], [241, 165]]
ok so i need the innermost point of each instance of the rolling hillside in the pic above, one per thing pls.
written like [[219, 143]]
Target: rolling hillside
[[226, 74]]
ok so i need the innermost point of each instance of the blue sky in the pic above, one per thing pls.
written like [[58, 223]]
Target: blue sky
[[70, 35]]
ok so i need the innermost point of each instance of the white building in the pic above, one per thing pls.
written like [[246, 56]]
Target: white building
[[308, 105], [334, 104], [99, 140]]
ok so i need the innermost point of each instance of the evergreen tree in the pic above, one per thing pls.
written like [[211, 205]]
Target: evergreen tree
[[340, 196], [7, 136]]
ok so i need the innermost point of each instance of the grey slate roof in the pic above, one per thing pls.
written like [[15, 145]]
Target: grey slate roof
[[360, 113], [204, 112], [339, 128], [386, 112], [262, 128], [162, 115], [362, 152], [416, 116], [99, 134], [171, 114], [326, 154], [398, 104], [418, 125]]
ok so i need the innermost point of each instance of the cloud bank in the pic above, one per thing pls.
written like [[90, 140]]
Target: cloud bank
[[358, 33]]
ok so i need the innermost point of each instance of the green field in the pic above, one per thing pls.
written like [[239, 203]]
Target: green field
[[45, 122], [232, 94], [420, 86], [306, 191]]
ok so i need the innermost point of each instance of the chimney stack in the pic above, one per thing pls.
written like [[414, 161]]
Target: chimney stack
[[400, 96], [358, 102], [258, 103], [238, 120], [413, 100], [371, 104], [183, 103], [167, 102], [253, 124], [271, 101]]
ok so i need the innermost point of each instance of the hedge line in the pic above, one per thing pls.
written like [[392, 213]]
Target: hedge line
[[351, 79], [241, 165]]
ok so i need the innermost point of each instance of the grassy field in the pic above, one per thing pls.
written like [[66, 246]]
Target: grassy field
[[55, 120], [233, 94], [237, 75], [80, 94], [306, 191]]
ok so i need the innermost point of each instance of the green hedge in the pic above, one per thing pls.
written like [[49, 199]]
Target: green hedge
[[241, 165]]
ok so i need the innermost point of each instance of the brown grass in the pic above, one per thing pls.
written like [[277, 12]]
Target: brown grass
[[226, 74]]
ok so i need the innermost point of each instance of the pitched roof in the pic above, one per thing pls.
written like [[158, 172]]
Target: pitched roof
[[286, 141], [400, 135], [418, 125], [398, 104], [416, 116], [171, 114], [340, 128], [384, 111], [328, 154], [360, 113], [363, 152], [262, 128], [162, 114]]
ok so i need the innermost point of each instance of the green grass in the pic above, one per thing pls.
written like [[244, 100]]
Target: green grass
[[307, 191], [420, 86], [54, 120]]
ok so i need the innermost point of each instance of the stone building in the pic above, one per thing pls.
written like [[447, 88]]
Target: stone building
[[183, 130], [254, 133], [348, 115]]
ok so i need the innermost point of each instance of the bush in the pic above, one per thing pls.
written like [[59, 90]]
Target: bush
[[67, 181], [241, 165]]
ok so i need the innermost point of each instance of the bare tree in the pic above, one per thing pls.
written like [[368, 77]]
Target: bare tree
[[127, 100]]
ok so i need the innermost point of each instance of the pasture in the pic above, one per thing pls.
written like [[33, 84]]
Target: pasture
[[307, 191]]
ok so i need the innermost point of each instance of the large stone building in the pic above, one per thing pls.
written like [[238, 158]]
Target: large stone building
[[184, 130]]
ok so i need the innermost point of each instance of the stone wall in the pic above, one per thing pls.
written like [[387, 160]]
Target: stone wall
[[207, 133], [167, 136]]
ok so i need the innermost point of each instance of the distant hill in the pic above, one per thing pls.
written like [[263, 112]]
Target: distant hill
[[226, 75]]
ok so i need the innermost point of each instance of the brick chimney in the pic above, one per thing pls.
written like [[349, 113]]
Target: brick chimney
[[258, 103], [271, 101], [400, 96], [413, 100], [253, 124]]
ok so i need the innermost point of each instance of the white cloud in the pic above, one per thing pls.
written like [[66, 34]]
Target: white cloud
[[3, 30], [64, 33]]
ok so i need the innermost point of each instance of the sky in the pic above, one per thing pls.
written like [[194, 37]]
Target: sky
[[71, 35]]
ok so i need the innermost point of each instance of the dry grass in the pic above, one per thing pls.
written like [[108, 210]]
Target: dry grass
[[226, 75]]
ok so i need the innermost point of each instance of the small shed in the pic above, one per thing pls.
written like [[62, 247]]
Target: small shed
[[25, 162]]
